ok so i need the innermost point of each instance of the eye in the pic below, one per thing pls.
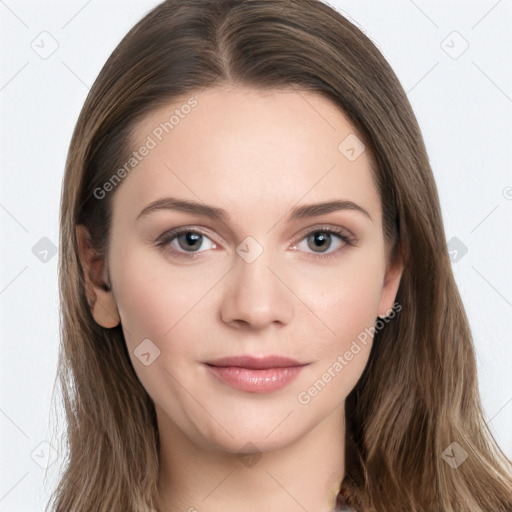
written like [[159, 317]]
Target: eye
[[320, 241], [185, 241], [324, 242]]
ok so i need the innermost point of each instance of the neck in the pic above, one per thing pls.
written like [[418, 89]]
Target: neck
[[303, 475]]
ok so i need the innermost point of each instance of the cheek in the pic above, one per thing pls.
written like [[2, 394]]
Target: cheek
[[340, 332], [343, 300], [156, 303], [154, 297], [167, 305]]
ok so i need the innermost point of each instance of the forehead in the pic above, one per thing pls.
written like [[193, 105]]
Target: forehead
[[249, 150]]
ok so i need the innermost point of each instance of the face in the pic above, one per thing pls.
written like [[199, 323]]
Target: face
[[260, 275]]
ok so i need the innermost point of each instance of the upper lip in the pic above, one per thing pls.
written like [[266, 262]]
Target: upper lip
[[256, 363]]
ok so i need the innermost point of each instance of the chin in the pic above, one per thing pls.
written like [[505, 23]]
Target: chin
[[246, 434]]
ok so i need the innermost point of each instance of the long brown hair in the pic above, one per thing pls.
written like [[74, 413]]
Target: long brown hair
[[418, 394]]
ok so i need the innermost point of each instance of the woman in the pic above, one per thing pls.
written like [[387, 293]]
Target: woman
[[213, 357]]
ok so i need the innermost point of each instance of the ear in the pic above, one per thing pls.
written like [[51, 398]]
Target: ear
[[390, 284], [97, 288]]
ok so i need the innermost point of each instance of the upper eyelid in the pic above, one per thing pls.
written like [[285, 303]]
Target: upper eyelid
[[326, 227]]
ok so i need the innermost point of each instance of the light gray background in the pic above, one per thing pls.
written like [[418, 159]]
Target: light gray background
[[463, 102]]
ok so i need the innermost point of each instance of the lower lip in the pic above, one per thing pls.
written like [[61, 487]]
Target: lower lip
[[255, 381]]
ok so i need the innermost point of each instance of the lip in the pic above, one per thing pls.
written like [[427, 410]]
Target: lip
[[255, 375], [256, 363]]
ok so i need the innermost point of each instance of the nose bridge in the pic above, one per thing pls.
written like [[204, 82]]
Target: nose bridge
[[255, 294]]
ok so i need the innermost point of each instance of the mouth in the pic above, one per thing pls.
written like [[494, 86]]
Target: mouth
[[255, 363], [255, 375]]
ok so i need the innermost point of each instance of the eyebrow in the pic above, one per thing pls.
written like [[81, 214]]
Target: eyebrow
[[221, 215]]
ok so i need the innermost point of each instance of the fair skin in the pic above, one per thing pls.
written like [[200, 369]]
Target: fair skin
[[257, 155]]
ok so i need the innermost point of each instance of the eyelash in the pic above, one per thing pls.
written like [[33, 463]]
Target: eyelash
[[169, 236]]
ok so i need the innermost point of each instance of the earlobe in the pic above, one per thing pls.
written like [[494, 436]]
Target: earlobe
[[107, 318], [98, 293]]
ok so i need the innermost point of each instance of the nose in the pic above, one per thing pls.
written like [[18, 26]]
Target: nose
[[256, 294]]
